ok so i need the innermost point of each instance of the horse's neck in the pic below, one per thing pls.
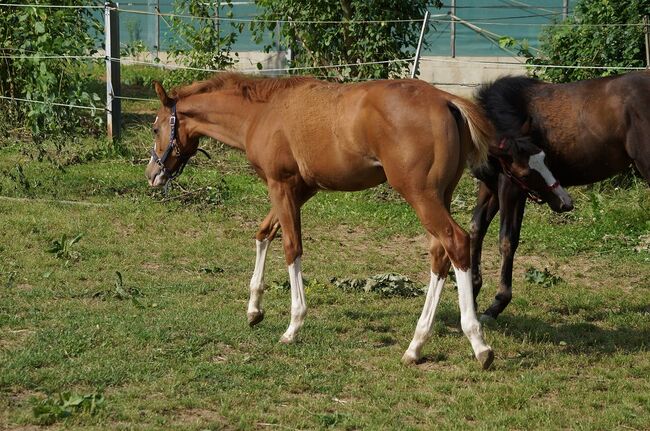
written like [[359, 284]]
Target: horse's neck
[[221, 115]]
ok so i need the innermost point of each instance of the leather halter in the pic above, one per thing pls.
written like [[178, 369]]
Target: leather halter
[[530, 193], [173, 146]]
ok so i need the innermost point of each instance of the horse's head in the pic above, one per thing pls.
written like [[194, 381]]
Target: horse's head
[[523, 162], [172, 147]]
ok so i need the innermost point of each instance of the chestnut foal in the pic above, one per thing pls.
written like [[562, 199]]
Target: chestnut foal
[[302, 135]]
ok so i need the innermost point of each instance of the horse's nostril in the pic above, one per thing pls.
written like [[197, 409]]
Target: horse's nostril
[[567, 206]]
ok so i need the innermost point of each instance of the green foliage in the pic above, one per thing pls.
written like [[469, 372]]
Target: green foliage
[[121, 292], [319, 44], [27, 34], [541, 278], [598, 34], [203, 42], [389, 284], [64, 405], [62, 248]]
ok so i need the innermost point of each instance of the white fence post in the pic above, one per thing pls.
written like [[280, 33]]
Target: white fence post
[[416, 62], [113, 93], [453, 28]]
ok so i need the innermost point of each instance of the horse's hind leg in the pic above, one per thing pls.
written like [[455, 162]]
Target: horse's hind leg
[[267, 231], [638, 147], [435, 217], [439, 269]]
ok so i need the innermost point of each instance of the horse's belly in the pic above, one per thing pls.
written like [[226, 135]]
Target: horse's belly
[[342, 179]]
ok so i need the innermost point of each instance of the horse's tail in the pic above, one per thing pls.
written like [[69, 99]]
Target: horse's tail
[[480, 129]]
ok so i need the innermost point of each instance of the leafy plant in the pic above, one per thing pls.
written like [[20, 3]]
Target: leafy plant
[[389, 284], [541, 278], [352, 41], [600, 33], [203, 41], [38, 45], [120, 292], [62, 248], [64, 405]]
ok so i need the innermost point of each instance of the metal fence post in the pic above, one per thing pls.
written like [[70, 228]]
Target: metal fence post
[[416, 62], [646, 30], [113, 93], [453, 28]]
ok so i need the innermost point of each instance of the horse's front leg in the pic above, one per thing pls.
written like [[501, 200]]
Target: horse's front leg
[[487, 205], [512, 202], [267, 231], [287, 196]]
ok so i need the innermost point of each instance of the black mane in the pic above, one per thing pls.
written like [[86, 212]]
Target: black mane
[[505, 102]]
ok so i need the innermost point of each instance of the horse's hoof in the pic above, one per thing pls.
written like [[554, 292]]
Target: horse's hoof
[[485, 358], [287, 340], [255, 317], [409, 359]]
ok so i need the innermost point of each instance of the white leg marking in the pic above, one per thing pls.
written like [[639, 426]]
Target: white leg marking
[[257, 281], [469, 323], [298, 304], [425, 322]]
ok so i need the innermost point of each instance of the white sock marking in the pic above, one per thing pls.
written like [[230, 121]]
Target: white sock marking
[[257, 280], [469, 323], [424, 327], [298, 303]]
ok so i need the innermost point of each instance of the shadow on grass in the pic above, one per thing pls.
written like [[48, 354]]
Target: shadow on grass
[[577, 338]]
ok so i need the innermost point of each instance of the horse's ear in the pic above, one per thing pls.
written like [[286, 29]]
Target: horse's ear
[[525, 128], [162, 95]]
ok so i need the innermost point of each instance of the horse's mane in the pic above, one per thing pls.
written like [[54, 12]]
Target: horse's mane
[[255, 88], [505, 102]]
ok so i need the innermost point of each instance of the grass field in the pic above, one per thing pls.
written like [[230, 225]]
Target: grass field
[[169, 346]]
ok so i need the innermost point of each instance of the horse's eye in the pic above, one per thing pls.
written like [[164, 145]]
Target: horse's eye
[[155, 130]]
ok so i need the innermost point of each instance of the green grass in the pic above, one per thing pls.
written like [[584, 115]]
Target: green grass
[[572, 355]]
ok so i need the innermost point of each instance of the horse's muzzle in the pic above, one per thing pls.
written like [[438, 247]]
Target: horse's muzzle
[[155, 175], [561, 201]]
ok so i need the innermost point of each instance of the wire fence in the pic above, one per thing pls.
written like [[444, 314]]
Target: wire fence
[[446, 19]]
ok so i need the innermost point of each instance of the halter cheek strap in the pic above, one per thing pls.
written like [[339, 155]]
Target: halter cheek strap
[[160, 161], [173, 146]]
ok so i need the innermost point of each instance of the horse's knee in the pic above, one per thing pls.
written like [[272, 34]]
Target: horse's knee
[[474, 231], [505, 247]]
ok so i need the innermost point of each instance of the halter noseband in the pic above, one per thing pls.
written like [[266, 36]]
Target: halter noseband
[[530, 193]]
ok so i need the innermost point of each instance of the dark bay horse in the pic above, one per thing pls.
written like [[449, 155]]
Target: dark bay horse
[[586, 131], [302, 135]]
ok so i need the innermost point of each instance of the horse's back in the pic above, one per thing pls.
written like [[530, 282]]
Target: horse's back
[[342, 135]]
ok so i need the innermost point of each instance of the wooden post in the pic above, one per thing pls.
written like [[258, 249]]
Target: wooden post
[[112, 43], [416, 62], [453, 28], [565, 9], [647, 41]]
